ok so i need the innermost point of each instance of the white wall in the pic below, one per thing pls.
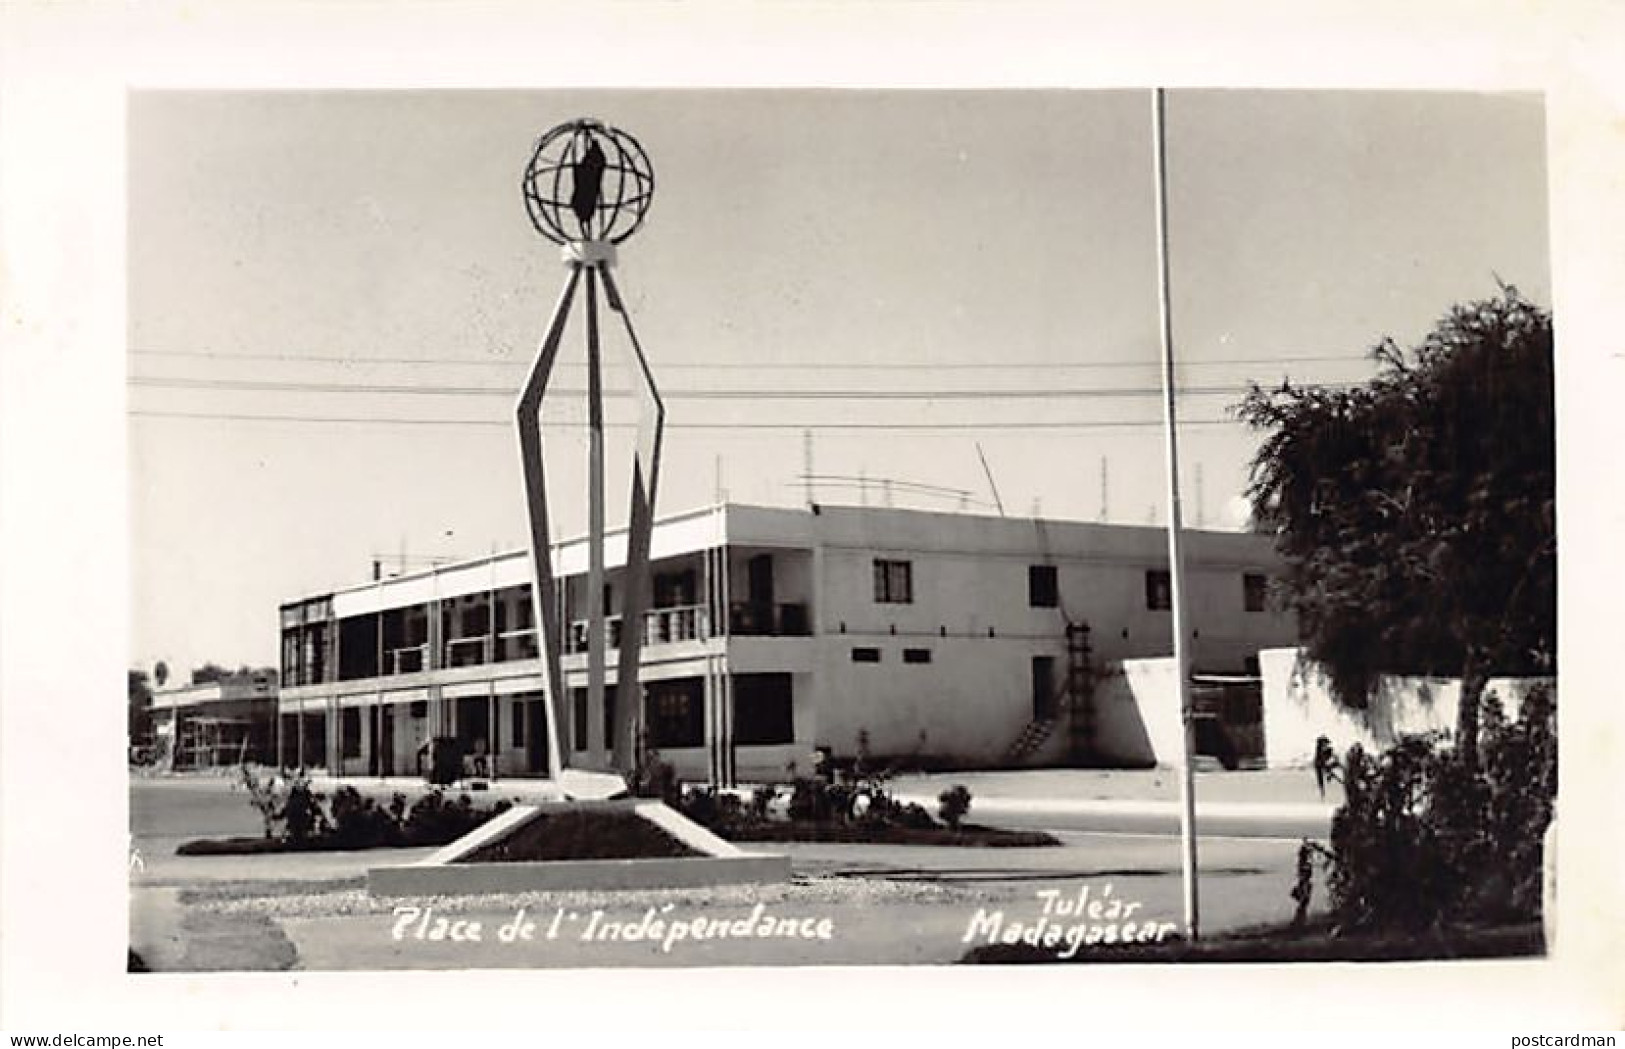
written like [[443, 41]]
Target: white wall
[[1299, 708], [1137, 722]]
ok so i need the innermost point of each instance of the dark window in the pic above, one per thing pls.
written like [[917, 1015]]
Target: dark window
[[676, 713], [1253, 586], [474, 723], [1159, 590], [763, 709], [1045, 699], [894, 582], [866, 655], [420, 708], [579, 722], [358, 647], [916, 655], [350, 727], [518, 723], [1043, 588], [290, 657], [609, 716]]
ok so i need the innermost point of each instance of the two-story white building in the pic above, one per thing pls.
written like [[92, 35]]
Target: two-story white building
[[952, 638]]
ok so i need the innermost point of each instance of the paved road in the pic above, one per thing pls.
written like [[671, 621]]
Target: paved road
[[1244, 881]]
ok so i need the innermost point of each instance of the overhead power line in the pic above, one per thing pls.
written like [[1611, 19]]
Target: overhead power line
[[817, 365], [377, 389], [762, 426]]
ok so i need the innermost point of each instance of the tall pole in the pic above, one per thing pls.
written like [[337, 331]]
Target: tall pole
[[597, 626], [1176, 556]]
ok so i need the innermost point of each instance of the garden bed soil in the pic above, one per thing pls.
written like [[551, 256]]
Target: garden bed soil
[[968, 835], [260, 846], [581, 835], [1290, 944]]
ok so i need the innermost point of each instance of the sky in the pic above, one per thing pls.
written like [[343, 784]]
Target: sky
[[917, 279]]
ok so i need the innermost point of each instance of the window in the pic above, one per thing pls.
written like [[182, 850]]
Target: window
[[894, 582], [350, 726], [1159, 590], [517, 723], [419, 708], [579, 722], [866, 655], [675, 711], [1046, 700], [763, 713], [1253, 587], [1043, 588], [916, 655]]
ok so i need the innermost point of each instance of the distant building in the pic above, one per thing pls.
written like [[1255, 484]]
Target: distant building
[[224, 722], [961, 639]]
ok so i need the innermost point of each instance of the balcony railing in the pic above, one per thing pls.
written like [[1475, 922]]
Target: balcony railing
[[692, 623], [465, 651], [760, 619], [661, 626], [408, 660], [516, 644]]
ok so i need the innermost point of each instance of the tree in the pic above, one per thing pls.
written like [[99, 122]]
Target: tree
[[139, 706], [209, 673], [1417, 513]]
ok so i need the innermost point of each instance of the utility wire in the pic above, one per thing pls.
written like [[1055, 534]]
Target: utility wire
[[886, 426], [820, 365], [1047, 393]]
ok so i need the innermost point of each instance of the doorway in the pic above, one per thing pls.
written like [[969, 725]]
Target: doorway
[[535, 737], [1044, 697]]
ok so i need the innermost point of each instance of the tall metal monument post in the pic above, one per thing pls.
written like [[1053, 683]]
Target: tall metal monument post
[[587, 188], [1176, 527]]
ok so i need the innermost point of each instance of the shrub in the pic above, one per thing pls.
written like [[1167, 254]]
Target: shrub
[[656, 778], [302, 817], [760, 799], [436, 821], [953, 804], [267, 794], [1424, 839], [914, 817], [445, 761], [358, 822]]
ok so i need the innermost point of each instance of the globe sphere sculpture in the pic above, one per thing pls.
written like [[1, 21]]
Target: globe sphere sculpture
[[588, 182]]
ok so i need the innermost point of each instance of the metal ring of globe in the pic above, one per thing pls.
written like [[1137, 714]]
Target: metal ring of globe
[[587, 182]]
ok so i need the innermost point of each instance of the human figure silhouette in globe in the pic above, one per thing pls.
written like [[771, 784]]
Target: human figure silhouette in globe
[[588, 177], [590, 171]]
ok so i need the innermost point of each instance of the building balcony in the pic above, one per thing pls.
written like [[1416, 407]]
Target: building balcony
[[761, 619], [662, 626]]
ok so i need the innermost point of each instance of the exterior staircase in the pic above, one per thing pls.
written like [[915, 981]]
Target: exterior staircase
[[1035, 735], [1075, 702]]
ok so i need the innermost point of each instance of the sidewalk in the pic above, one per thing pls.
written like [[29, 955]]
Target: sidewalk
[[1266, 803]]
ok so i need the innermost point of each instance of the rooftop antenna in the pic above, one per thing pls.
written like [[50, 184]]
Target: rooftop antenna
[[991, 484]]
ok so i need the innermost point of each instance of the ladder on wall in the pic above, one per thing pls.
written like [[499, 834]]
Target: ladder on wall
[[1080, 692], [1074, 701]]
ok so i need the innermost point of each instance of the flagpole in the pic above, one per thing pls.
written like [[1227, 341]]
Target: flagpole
[[1176, 557]]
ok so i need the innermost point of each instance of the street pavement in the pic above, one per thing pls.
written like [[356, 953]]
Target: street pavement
[[1110, 838]]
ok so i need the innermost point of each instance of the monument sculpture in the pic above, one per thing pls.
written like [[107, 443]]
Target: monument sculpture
[[587, 188]]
